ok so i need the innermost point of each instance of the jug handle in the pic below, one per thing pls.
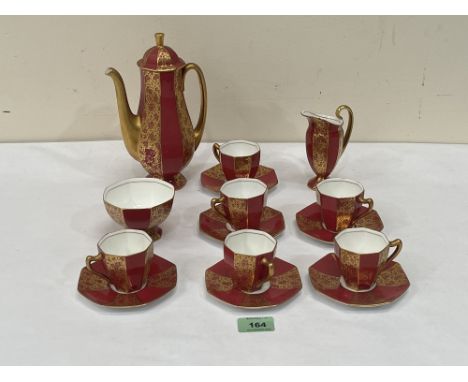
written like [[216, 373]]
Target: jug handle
[[349, 129], [198, 130]]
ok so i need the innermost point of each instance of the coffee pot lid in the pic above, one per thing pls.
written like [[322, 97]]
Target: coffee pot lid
[[160, 57]]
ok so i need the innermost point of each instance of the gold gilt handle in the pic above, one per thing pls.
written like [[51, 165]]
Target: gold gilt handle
[[216, 203], [198, 131], [349, 129], [91, 259], [370, 205], [216, 151], [271, 268], [399, 245]]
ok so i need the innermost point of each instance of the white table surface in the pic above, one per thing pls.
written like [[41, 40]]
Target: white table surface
[[52, 217]]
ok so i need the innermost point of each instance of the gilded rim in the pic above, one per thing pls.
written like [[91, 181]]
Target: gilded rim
[[327, 118], [360, 305], [255, 307], [137, 180]]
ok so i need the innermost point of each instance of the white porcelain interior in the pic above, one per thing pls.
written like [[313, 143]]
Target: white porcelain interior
[[344, 285], [125, 242], [138, 193], [243, 188], [265, 286], [250, 242], [361, 240], [239, 148], [328, 118], [340, 188]]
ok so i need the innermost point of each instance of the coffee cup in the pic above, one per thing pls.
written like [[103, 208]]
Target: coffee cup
[[238, 158], [362, 254], [126, 257], [340, 201], [250, 254], [241, 202]]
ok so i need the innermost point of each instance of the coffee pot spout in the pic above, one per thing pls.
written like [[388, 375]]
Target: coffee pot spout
[[129, 122]]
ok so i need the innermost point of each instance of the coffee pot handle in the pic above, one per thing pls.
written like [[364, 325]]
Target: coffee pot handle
[[399, 245], [215, 204], [349, 129], [198, 130], [91, 259]]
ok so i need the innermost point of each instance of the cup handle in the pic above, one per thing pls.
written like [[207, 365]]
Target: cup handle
[[271, 268], [370, 205], [399, 245], [216, 151], [215, 204], [91, 259], [349, 129]]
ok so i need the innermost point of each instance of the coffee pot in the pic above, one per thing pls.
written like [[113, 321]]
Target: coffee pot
[[161, 135]]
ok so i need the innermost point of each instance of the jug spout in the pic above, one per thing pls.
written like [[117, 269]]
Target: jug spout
[[307, 114], [129, 122]]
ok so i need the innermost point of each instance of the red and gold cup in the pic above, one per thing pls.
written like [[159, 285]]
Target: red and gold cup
[[340, 201], [241, 202], [140, 203], [126, 258], [250, 254], [238, 159], [362, 254]]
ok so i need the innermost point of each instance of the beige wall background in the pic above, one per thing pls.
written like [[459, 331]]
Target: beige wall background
[[405, 77]]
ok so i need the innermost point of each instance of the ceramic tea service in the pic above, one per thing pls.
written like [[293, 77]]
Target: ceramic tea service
[[361, 272], [237, 159], [340, 204], [241, 205], [125, 272], [250, 275]]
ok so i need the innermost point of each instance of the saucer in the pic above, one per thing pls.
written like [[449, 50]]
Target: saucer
[[309, 221], [213, 178], [391, 284], [283, 285], [161, 279], [214, 225]]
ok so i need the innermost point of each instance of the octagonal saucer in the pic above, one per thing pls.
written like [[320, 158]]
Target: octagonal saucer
[[285, 284], [309, 221], [214, 178], [325, 275], [214, 225]]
